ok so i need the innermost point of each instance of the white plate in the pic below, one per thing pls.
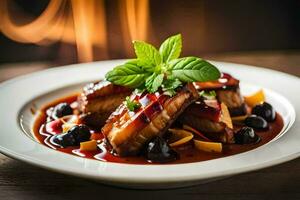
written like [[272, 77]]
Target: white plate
[[17, 95]]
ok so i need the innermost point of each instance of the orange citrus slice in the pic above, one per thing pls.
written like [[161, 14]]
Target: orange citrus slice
[[256, 98], [88, 146], [208, 146], [179, 137]]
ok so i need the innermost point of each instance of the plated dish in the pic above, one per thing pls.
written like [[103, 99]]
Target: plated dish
[[159, 108], [21, 96], [204, 130]]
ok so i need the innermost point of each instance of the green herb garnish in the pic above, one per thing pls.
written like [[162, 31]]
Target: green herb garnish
[[154, 68], [170, 84], [132, 105], [208, 95]]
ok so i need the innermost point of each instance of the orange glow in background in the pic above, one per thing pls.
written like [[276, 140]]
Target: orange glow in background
[[78, 22]]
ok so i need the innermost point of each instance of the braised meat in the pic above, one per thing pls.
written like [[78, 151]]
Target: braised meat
[[98, 100], [233, 99], [228, 92], [128, 131], [211, 118]]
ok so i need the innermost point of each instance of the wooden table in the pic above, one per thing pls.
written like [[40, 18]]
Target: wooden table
[[19, 180]]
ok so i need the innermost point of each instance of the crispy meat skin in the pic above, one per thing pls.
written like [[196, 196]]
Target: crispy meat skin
[[127, 132], [98, 100], [228, 92]]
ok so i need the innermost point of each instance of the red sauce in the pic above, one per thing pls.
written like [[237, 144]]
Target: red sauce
[[187, 153]]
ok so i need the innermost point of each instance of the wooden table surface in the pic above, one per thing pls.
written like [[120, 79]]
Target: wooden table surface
[[19, 180]]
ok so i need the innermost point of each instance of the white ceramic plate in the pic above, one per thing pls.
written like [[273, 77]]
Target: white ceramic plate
[[17, 96]]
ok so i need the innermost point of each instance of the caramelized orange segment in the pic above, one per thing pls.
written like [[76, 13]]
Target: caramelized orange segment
[[67, 126], [208, 146], [256, 98], [88, 146], [180, 137]]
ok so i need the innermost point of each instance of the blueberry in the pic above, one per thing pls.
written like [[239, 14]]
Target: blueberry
[[159, 151], [64, 140], [265, 111], [246, 135], [81, 133], [256, 122], [61, 110]]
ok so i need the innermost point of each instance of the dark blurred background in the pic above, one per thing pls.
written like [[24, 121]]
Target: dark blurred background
[[60, 32]]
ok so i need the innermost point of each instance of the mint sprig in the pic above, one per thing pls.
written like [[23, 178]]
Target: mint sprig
[[130, 74], [192, 69], [153, 82], [147, 55], [154, 69], [171, 48]]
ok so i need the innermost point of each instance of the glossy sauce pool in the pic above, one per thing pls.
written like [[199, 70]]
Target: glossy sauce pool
[[187, 153]]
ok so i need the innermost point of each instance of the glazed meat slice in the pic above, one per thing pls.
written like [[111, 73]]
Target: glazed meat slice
[[98, 100], [233, 99], [128, 131], [211, 118], [228, 92]]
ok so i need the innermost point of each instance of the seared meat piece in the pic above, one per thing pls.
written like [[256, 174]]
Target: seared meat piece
[[128, 131], [228, 92], [98, 100], [210, 118], [95, 120], [233, 99]]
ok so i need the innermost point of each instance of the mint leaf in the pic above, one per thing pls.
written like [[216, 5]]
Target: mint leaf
[[129, 74], [191, 69], [153, 82], [157, 82], [147, 54], [132, 105], [171, 48], [149, 82]]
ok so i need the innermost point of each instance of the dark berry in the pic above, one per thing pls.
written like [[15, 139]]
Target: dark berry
[[158, 151], [61, 110], [80, 132], [265, 111], [256, 122], [64, 140], [246, 135]]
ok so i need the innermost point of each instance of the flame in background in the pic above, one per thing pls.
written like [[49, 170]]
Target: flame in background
[[136, 24], [76, 21]]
